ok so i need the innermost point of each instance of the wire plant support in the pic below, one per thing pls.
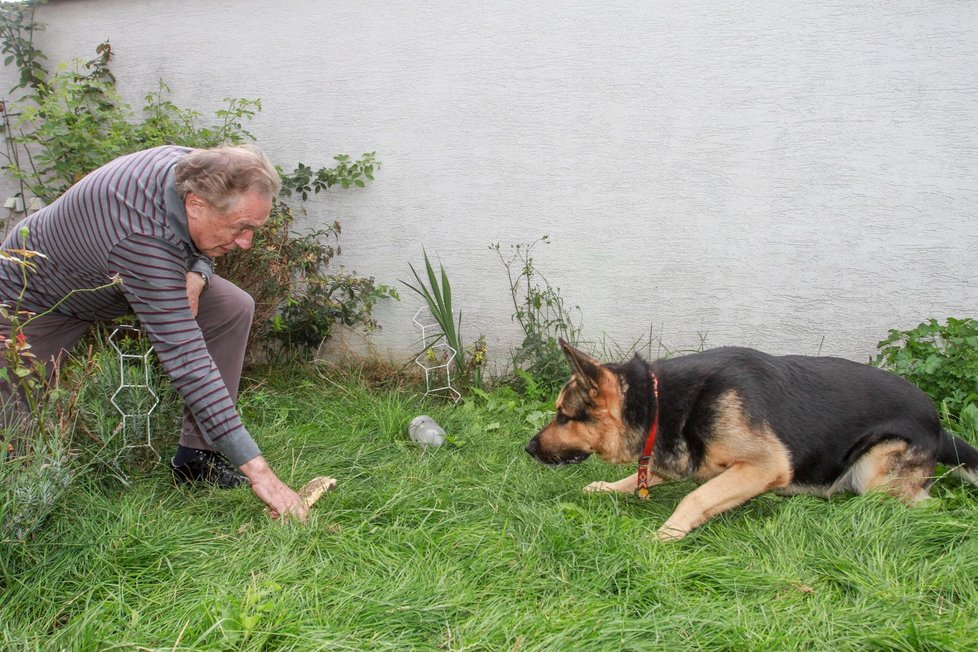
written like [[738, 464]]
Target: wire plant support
[[132, 397], [436, 357]]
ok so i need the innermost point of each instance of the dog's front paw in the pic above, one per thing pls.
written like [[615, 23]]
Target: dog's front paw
[[670, 533], [599, 486]]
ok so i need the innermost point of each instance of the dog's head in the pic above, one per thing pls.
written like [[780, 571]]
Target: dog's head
[[589, 416]]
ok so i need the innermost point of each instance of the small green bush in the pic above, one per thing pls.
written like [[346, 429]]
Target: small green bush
[[940, 359], [297, 298]]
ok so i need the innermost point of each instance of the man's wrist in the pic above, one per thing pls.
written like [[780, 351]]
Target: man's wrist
[[205, 276], [257, 469]]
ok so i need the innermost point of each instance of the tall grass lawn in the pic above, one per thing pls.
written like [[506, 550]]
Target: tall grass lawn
[[474, 546]]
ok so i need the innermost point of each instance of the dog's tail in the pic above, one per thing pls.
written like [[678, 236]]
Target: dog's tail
[[959, 456]]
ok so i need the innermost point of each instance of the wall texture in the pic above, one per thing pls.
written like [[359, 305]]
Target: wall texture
[[795, 175]]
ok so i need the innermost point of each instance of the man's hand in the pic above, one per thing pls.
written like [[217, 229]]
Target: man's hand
[[195, 285], [282, 502]]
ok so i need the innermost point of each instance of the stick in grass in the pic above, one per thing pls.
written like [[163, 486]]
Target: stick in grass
[[315, 488]]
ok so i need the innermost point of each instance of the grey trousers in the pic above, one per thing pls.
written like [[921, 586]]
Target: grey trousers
[[224, 315]]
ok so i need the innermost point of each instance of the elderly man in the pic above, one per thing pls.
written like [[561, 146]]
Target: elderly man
[[154, 221]]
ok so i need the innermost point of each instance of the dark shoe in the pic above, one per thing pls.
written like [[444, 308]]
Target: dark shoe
[[210, 467]]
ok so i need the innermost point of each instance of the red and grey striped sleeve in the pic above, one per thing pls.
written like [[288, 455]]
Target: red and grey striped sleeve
[[154, 283]]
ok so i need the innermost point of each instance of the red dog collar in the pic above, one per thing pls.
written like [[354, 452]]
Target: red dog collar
[[642, 489]]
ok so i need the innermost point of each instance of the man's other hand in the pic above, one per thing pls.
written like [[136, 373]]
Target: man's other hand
[[195, 285]]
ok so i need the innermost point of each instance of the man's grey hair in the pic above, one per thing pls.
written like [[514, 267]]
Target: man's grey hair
[[220, 175]]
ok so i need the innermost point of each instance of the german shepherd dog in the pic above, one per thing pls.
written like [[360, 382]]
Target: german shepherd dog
[[742, 422]]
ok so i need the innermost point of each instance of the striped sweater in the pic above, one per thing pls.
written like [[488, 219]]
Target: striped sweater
[[127, 219]]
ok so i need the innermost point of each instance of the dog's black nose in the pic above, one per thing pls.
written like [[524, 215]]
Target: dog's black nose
[[532, 447]]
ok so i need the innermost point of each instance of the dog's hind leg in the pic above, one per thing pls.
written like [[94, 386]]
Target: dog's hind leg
[[625, 485], [735, 486], [896, 468]]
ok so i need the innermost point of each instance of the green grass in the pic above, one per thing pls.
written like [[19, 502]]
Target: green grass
[[476, 547]]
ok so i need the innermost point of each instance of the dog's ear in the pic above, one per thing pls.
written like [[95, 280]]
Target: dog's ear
[[588, 369]]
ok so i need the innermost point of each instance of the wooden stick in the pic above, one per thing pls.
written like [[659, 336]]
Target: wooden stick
[[315, 488]]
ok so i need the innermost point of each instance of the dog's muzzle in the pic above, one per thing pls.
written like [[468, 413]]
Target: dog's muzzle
[[554, 458]]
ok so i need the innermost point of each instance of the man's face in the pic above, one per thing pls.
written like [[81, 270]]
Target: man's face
[[215, 233]]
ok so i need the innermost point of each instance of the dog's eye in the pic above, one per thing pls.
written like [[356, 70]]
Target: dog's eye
[[562, 418]]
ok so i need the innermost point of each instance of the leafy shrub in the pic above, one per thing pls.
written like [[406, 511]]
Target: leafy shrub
[[297, 301], [940, 359]]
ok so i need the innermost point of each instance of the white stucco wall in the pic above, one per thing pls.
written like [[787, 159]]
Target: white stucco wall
[[795, 175]]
